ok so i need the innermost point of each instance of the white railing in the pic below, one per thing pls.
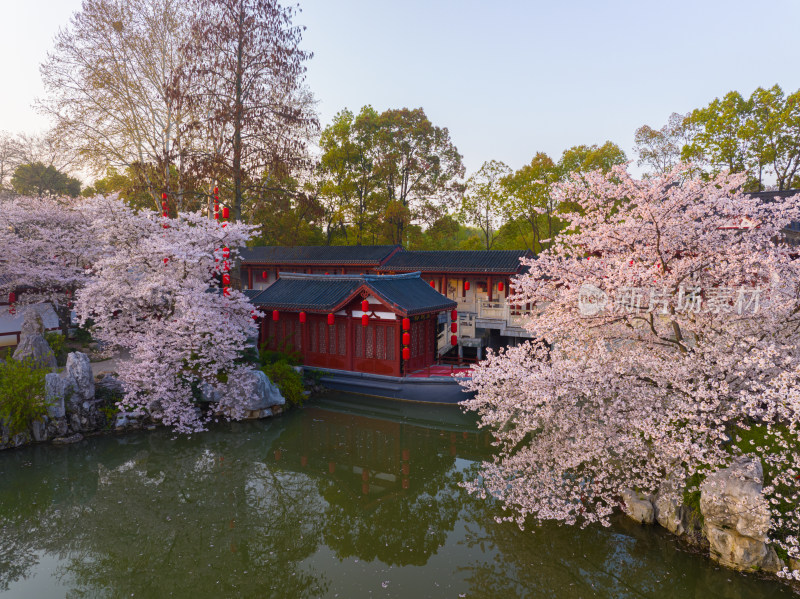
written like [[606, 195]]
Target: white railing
[[500, 310], [493, 310]]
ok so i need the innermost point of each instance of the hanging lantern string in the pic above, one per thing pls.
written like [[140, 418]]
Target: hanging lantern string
[[164, 215]]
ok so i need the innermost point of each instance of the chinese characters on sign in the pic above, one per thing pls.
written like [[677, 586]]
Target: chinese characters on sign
[[717, 300]]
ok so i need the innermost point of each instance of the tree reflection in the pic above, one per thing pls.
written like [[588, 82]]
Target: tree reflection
[[390, 488], [178, 518], [551, 560]]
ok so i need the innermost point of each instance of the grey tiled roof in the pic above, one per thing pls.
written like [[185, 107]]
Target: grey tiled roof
[[408, 294], [313, 254], [465, 261], [792, 228]]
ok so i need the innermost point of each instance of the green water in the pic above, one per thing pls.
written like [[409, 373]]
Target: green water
[[348, 497]]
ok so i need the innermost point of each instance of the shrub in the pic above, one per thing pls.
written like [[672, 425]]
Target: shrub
[[288, 380], [83, 335], [286, 353], [22, 397], [57, 343]]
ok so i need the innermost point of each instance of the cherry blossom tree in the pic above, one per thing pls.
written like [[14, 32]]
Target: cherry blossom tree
[[155, 293], [666, 320], [46, 248]]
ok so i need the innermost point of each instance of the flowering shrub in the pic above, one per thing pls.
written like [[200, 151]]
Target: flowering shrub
[[666, 325]]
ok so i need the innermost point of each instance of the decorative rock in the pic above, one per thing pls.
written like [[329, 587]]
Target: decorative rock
[[637, 507], [80, 370], [737, 516], [67, 440], [260, 392], [32, 324], [107, 384], [32, 343], [669, 510], [56, 388], [39, 430]]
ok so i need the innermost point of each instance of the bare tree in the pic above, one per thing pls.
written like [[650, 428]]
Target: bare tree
[[10, 158], [109, 83], [245, 72]]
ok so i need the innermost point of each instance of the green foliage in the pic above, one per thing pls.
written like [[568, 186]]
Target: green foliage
[[288, 380], [22, 395], [36, 179], [381, 172], [83, 334], [269, 356], [583, 158], [57, 343]]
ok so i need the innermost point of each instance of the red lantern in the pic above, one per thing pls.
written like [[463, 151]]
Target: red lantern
[[164, 196], [216, 216], [406, 338], [165, 261], [453, 327], [364, 320], [454, 315], [226, 279], [453, 340], [226, 252], [164, 205], [226, 212], [433, 284], [253, 314], [331, 318], [264, 274], [406, 353], [365, 306], [225, 265], [216, 190], [302, 317], [406, 324], [275, 315], [500, 286], [226, 291], [466, 285], [12, 297], [165, 214]]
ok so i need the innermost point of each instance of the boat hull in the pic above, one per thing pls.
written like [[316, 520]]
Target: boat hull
[[433, 390]]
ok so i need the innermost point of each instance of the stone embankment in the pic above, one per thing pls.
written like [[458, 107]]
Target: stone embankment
[[81, 403], [732, 523]]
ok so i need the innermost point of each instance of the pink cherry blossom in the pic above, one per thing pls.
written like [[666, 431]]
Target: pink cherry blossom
[[625, 394]]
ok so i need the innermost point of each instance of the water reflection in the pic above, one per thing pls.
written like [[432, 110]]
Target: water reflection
[[339, 498]]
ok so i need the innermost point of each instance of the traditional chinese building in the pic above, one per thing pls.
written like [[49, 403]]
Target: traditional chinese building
[[478, 281], [261, 265], [380, 324]]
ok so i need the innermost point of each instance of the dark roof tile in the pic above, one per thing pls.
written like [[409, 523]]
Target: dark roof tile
[[308, 254], [407, 293], [465, 261]]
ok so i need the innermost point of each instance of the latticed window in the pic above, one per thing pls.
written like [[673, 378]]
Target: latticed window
[[323, 345], [370, 349], [332, 339], [298, 339], [390, 343], [380, 342], [359, 342], [313, 339], [342, 339], [428, 337]]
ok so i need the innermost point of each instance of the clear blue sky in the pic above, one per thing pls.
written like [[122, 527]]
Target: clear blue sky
[[506, 78]]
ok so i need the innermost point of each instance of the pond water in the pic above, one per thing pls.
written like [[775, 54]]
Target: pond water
[[348, 497]]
